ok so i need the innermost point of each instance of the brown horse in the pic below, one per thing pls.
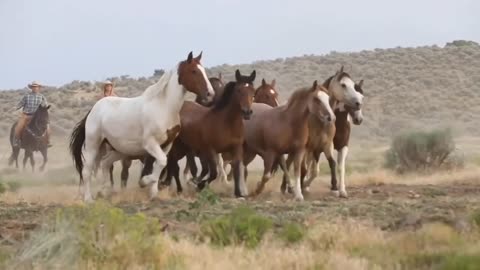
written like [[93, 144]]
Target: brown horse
[[219, 129], [266, 94], [273, 132], [217, 84], [340, 141], [342, 90], [32, 139]]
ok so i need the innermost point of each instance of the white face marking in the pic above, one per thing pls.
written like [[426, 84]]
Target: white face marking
[[272, 91], [276, 102], [209, 85], [325, 99], [246, 85]]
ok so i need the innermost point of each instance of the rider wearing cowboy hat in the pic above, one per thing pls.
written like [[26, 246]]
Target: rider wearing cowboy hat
[[30, 103], [108, 89]]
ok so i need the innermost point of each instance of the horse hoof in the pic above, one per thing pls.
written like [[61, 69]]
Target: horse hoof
[[299, 198], [306, 189], [335, 193], [201, 185], [145, 181], [290, 190], [343, 194], [153, 192]]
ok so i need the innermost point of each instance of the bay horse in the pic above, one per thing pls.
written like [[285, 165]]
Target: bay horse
[[341, 139], [208, 132], [148, 123], [32, 139], [217, 84], [273, 132], [265, 93], [342, 90]]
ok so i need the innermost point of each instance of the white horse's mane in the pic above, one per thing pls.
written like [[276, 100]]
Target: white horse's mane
[[160, 86]]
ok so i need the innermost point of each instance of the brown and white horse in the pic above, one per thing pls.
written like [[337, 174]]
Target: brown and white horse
[[136, 126]]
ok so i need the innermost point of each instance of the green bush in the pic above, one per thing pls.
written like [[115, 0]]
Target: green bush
[[3, 187], [242, 226], [419, 150], [13, 186], [98, 237], [292, 233]]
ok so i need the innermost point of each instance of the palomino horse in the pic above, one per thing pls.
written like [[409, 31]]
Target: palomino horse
[[341, 89], [136, 126], [217, 85], [208, 132], [32, 139], [273, 132], [340, 141]]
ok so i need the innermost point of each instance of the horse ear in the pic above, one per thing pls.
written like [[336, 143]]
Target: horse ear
[[238, 76], [315, 85], [190, 57], [48, 107], [341, 69], [273, 83], [360, 83], [252, 76], [220, 76], [264, 82], [199, 57]]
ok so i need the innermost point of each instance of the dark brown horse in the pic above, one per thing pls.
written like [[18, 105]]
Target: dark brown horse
[[266, 94], [208, 132], [273, 132], [217, 84], [32, 139]]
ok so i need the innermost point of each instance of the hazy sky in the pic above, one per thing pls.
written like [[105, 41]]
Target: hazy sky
[[57, 41]]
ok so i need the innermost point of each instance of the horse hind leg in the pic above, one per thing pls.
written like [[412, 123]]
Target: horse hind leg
[[268, 161], [126, 164], [154, 149], [45, 159], [32, 160], [107, 166], [221, 169]]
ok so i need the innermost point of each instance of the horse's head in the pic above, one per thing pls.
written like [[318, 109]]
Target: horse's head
[[217, 83], [244, 92], [342, 87], [41, 118], [319, 103], [267, 94], [192, 76], [356, 113]]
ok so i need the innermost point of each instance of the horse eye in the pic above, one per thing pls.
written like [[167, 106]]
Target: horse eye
[[344, 85], [194, 71]]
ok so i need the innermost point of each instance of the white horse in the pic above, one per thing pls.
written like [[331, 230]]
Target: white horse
[[136, 126]]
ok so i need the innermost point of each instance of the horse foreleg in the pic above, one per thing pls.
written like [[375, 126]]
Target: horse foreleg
[[211, 166], [287, 178], [25, 159], [32, 160], [342, 157], [154, 149], [45, 159], [297, 163], [190, 166]]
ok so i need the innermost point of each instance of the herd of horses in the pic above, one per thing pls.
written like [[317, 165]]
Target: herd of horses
[[227, 124]]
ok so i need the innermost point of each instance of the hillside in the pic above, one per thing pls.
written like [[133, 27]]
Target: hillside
[[405, 88]]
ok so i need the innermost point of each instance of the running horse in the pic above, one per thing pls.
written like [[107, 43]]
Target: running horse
[[217, 84], [146, 124], [273, 132], [266, 93], [32, 139], [208, 132], [345, 114]]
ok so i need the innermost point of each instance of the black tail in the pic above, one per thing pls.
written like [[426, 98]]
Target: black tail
[[77, 140]]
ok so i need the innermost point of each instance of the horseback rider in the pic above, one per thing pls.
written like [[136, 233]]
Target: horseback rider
[[30, 103], [108, 89]]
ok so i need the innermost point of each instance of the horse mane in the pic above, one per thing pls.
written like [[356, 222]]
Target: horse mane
[[329, 80], [298, 96], [226, 97], [158, 87]]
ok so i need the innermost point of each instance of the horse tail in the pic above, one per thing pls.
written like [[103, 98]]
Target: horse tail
[[77, 141], [14, 149]]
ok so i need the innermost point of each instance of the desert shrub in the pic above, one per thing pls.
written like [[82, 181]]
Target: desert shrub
[[13, 186], [420, 150], [292, 233], [97, 237], [242, 226], [3, 187]]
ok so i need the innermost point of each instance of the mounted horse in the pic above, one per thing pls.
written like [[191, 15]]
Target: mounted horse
[[343, 114], [33, 139], [208, 132], [147, 124], [273, 132], [342, 90]]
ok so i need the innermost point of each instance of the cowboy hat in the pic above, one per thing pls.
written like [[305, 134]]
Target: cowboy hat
[[107, 82], [34, 83]]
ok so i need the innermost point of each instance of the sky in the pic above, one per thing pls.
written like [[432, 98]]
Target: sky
[[57, 41]]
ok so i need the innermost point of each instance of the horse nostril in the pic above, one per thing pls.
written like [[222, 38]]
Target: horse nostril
[[329, 118], [358, 104]]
